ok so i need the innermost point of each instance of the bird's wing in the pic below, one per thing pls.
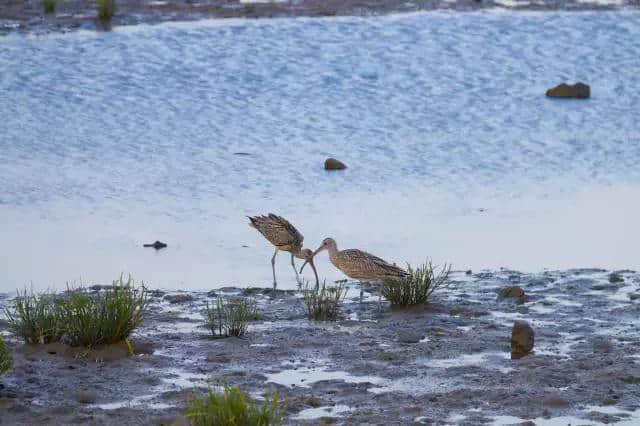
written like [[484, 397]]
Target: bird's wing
[[277, 230], [369, 264]]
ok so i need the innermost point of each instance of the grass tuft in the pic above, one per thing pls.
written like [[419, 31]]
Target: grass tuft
[[105, 318], [226, 319], [232, 407], [323, 304], [36, 318], [5, 357], [106, 9], [416, 287], [50, 5]]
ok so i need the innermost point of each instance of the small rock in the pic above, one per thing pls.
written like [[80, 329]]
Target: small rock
[[514, 291], [219, 358], [522, 339], [333, 164], [157, 245], [409, 336], [615, 278], [178, 298], [578, 90], [634, 296], [469, 272], [212, 293], [86, 397], [631, 380]]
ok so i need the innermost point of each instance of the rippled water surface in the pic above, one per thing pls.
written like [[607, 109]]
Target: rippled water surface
[[110, 140]]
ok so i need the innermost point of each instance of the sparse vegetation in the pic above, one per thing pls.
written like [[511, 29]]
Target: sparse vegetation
[[106, 9], [108, 317], [323, 304], [416, 287], [36, 318], [50, 5], [232, 407], [5, 357], [226, 319], [82, 319]]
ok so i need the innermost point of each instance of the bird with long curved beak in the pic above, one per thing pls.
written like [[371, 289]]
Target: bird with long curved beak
[[285, 237], [358, 264]]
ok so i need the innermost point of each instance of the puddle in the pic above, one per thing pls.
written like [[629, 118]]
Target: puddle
[[319, 412], [480, 359], [305, 376], [628, 418]]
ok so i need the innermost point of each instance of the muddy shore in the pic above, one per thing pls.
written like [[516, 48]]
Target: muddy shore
[[446, 363], [29, 16]]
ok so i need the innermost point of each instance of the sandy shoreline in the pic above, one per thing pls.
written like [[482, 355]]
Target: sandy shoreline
[[28, 16], [448, 363]]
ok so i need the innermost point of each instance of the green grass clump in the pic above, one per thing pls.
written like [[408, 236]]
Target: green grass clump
[[5, 357], [417, 286], [105, 318], [226, 319], [232, 407], [36, 318], [50, 5], [323, 303], [106, 9]]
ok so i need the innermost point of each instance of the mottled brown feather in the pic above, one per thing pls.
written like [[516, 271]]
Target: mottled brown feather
[[360, 265], [278, 231]]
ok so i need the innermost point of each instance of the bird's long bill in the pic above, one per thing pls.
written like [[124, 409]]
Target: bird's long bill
[[305, 262]]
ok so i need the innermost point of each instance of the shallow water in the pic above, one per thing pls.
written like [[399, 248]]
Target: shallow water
[[111, 140]]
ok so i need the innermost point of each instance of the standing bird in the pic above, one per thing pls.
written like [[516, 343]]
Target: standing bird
[[284, 236], [358, 264]]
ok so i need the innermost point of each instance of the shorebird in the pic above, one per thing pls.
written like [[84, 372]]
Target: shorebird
[[358, 264], [284, 236]]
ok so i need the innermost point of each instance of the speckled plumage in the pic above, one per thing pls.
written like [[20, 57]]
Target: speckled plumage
[[284, 236], [360, 265], [279, 232]]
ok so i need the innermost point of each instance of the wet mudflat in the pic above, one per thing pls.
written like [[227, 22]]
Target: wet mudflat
[[446, 363], [29, 15]]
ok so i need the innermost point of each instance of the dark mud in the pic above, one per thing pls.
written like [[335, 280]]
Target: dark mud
[[28, 15], [585, 364]]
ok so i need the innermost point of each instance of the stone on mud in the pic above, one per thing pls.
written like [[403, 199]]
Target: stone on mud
[[86, 397], [333, 164], [615, 278], [578, 90], [522, 339], [513, 291], [178, 298], [409, 336]]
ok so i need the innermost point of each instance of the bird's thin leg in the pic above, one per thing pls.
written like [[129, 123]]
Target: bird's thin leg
[[273, 267], [295, 271]]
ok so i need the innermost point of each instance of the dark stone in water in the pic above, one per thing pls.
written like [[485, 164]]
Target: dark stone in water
[[469, 272], [212, 293], [85, 397], [178, 298], [333, 164], [157, 245], [522, 339], [409, 336], [514, 291], [615, 278], [578, 90]]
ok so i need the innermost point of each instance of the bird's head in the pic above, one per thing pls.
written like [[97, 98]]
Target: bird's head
[[307, 255]]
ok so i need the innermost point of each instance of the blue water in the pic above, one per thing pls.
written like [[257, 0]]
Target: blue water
[[109, 140]]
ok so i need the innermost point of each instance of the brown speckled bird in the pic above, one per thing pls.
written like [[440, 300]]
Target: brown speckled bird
[[358, 264], [284, 236]]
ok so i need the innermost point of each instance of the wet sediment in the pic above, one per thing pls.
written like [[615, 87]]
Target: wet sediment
[[446, 363], [29, 15]]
